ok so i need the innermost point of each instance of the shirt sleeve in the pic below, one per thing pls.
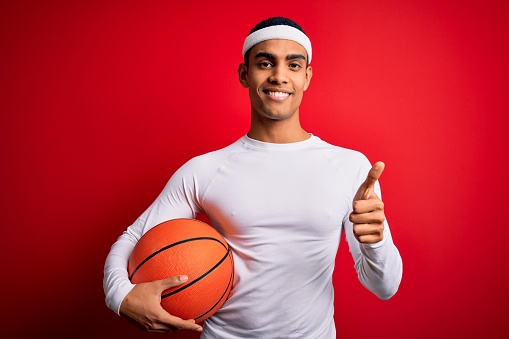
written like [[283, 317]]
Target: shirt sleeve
[[379, 266], [178, 199]]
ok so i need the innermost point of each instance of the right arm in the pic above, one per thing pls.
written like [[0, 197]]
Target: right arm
[[141, 303]]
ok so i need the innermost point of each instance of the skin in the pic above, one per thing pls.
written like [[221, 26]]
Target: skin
[[142, 307], [368, 210], [274, 66]]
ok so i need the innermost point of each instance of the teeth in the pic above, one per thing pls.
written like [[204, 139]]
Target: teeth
[[278, 94]]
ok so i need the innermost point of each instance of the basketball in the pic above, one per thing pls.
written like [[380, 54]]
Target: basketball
[[185, 247]]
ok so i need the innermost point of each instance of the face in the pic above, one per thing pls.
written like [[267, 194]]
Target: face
[[277, 77]]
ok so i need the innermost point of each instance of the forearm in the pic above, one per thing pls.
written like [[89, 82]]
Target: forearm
[[116, 283], [379, 267]]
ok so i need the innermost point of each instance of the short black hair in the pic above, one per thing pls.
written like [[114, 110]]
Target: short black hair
[[273, 21]]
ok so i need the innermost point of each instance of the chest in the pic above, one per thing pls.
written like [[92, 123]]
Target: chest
[[273, 195]]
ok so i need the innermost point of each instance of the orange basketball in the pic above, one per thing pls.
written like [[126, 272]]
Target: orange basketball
[[185, 247]]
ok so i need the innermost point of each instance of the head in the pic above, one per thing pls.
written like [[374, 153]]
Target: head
[[276, 68]]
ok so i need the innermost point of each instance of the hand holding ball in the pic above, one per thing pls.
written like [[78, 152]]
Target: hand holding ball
[[185, 247]]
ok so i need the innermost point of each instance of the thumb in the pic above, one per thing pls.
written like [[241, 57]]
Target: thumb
[[366, 189], [172, 282]]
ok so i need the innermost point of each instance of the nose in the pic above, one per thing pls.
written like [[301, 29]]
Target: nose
[[279, 75]]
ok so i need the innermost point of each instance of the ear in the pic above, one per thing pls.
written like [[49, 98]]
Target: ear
[[242, 71], [309, 75]]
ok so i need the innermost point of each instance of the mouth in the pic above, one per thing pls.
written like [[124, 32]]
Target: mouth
[[276, 95]]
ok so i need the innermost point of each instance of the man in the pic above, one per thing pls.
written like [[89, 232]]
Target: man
[[281, 197]]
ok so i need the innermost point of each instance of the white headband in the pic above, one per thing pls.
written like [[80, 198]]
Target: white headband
[[278, 32]]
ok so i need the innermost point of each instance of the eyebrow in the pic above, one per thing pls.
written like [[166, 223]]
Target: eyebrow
[[295, 56], [273, 57], [265, 55]]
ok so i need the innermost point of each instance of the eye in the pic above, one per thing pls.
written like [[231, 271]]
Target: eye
[[294, 66], [265, 64]]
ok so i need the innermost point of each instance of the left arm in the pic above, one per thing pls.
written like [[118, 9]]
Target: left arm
[[377, 260]]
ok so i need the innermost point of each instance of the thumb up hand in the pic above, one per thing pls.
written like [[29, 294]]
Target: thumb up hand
[[368, 210]]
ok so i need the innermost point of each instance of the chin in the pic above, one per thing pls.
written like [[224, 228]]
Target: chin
[[275, 114], [279, 116]]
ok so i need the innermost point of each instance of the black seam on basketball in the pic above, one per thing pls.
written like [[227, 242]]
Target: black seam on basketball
[[222, 296], [170, 246], [200, 277]]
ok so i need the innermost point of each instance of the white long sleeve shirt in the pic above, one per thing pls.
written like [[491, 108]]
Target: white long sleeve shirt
[[282, 208]]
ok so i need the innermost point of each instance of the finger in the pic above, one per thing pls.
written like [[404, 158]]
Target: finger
[[369, 239], [367, 187], [374, 174], [176, 323], [191, 325], [375, 217], [368, 229], [167, 322], [365, 206], [165, 328], [368, 233], [163, 322], [164, 284]]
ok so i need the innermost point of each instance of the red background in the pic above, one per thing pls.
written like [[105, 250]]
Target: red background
[[102, 101]]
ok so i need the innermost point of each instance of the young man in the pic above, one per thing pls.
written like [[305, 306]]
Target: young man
[[281, 197]]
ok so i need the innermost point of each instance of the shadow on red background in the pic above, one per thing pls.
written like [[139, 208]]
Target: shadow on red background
[[102, 101]]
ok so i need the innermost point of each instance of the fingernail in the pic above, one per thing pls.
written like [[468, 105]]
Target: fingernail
[[183, 278]]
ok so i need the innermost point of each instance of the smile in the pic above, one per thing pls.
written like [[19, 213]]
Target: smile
[[277, 95]]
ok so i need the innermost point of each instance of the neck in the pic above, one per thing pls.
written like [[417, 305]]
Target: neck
[[277, 131]]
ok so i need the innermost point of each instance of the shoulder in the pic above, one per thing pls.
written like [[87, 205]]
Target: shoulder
[[350, 164], [216, 157], [341, 155], [209, 163]]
